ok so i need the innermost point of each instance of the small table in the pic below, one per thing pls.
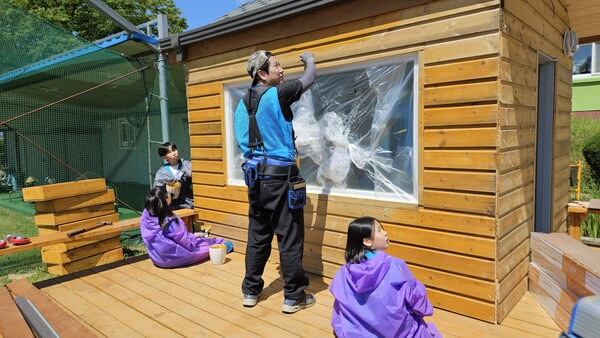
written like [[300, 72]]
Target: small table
[[578, 212]]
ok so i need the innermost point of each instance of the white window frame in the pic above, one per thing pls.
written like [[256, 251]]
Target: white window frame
[[594, 72], [129, 143], [232, 144]]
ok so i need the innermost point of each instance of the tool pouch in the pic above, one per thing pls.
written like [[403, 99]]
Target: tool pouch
[[296, 193], [250, 168]]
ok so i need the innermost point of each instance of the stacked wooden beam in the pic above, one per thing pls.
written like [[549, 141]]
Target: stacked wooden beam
[[562, 270], [70, 206]]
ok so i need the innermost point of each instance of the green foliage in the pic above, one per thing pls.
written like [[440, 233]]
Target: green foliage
[[591, 153], [78, 17], [26, 39], [591, 226], [581, 129]]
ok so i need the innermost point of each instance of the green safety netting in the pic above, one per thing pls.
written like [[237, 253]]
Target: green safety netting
[[111, 130]]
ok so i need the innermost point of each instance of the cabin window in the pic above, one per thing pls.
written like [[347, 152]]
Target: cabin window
[[586, 60], [356, 131], [126, 135]]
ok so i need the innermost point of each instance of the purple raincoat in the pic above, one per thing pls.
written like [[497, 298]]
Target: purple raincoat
[[380, 298], [175, 246]]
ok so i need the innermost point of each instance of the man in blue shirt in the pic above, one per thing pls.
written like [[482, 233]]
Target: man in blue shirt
[[276, 192]]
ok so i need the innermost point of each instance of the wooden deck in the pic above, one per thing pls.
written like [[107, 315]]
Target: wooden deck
[[134, 298]]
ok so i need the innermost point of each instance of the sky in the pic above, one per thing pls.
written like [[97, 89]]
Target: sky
[[201, 12]]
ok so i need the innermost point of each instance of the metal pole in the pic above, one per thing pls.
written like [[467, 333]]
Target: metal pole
[[150, 177], [163, 31], [120, 21]]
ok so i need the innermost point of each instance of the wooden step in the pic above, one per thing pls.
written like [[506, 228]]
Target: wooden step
[[62, 190], [58, 218], [76, 202], [64, 257], [87, 263]]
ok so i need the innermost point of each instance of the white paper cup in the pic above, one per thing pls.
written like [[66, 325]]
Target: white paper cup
[[217, 253]]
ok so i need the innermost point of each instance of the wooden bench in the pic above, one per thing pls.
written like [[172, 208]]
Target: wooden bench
[[578, 212], [187, 215]]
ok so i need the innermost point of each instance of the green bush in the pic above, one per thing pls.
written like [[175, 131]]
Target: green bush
[[591, 153], [582, 129]]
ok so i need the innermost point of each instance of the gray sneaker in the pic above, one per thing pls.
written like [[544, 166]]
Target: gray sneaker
[[250, 300], [293, 306]]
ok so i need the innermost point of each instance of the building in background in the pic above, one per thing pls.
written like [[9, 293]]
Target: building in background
[[586, 81]]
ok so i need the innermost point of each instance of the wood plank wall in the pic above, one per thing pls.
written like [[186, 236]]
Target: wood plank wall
[[528, 27], [449, 239]]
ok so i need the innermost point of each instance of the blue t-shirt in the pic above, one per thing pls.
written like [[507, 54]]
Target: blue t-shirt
[[274, 118]]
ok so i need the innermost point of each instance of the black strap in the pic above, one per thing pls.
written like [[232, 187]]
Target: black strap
[[294, 141], [280, 171], [251, 101]]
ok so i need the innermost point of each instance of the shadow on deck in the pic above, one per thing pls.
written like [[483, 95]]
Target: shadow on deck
[[134, 298]]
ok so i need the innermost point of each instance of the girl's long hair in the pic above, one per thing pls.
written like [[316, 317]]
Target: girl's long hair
[[358, 230], [156, 204]]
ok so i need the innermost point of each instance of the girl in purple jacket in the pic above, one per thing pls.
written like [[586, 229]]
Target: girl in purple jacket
[[376, 295], [168, 241]]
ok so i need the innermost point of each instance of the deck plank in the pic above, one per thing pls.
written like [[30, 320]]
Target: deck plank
[[188, 305], [317, 284], [217, 303], [210, 296], [139, 322], [151, 308], [272, 298], [516, 325], [236, 267], [94, 316], [232, 297]]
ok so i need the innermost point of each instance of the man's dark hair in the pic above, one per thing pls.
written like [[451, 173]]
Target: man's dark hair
[[163, 149], [358, 230]]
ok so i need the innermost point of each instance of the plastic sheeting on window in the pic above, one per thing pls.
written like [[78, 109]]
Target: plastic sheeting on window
[[354, 132]]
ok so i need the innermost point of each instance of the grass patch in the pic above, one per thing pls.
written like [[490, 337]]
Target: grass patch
[[581, 130], [132, 243], [17, 217]]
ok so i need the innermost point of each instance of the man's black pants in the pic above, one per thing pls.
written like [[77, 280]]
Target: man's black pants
[[268, 214]]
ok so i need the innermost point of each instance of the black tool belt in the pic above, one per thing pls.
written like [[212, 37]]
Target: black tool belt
[[278, 170]]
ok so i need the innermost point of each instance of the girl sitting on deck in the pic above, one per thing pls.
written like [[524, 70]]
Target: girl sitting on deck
[[376, 295], [168, 241]]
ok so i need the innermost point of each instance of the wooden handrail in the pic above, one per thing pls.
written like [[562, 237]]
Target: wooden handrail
[[61, 237]]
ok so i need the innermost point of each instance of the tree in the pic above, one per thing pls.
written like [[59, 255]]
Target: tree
[[591, 153], [78, 17]]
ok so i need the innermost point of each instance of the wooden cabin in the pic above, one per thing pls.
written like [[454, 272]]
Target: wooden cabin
[[486, 132]]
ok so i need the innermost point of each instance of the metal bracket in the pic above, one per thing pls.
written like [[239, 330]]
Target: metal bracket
[[180, 51]]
